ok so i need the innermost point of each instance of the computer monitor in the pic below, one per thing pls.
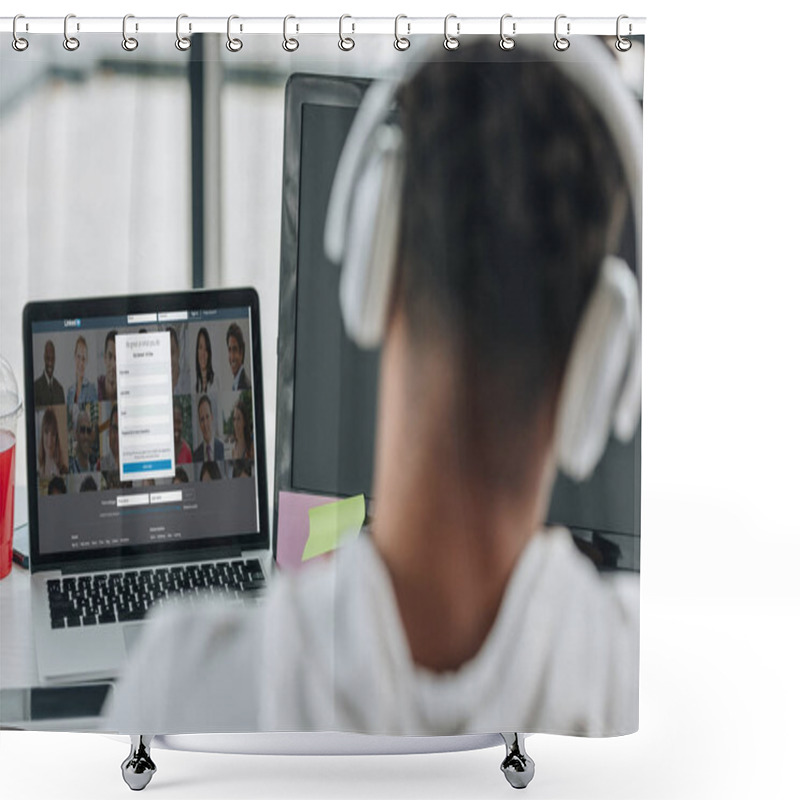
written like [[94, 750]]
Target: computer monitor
[[326, 385]]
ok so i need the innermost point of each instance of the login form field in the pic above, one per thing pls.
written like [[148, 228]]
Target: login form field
[[144, 406]]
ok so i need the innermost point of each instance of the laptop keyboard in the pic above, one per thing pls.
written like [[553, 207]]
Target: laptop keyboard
[[127, 596]]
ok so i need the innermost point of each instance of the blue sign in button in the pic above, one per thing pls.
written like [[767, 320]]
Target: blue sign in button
[[148, 466]]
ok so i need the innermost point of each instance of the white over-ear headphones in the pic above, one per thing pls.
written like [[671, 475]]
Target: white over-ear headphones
[[602, 384]]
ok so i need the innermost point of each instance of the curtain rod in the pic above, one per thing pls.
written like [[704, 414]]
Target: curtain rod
[[349, 25]]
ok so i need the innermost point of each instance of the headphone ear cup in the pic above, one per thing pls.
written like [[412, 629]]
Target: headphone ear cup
[[629, 407], [602, 380], [370, 246]]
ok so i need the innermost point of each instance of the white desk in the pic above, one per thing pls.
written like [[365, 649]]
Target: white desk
[[17, 655]]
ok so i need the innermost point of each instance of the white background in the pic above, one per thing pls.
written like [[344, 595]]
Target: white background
[[720, 693]]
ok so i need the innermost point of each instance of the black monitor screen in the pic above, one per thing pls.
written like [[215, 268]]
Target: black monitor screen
[[334, 408]]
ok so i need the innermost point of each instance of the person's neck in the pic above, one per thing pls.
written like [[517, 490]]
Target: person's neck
[[449, 537], [450, 554], [83, 460]]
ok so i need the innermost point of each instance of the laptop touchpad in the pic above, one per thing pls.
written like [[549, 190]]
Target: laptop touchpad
[[132, 634]]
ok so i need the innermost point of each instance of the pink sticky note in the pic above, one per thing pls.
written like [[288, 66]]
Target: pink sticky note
[[293, 525]]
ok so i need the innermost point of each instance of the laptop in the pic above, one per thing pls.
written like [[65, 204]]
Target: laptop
[[146, 467]]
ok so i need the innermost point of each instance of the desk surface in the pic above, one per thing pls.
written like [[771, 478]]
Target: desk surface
[[17, 655]]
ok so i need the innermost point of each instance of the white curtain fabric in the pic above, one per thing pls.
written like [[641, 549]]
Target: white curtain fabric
[[95, 188]]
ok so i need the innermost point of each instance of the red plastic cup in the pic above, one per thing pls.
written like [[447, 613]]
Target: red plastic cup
[[10, 406], [8, 447]]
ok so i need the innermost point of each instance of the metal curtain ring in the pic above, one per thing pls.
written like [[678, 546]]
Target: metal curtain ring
[[70, 42], [401, 42], [128, 42], [234, 45], [289, 44], [183, 43], [18, 43], [561, 43], [346, 43], [451, 42], [507, 42], [622, 44]]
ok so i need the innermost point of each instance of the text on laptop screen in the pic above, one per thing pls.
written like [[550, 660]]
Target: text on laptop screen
[[145, 428]]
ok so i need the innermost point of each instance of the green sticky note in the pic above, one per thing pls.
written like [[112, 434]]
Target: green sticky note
[[331, 524]]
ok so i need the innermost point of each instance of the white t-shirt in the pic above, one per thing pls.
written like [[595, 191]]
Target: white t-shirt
[[327, 652]]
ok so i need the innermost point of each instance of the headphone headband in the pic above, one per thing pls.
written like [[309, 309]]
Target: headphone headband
[[589, 64]]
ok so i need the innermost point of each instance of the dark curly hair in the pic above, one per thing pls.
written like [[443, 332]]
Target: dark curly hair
[[513, 193]]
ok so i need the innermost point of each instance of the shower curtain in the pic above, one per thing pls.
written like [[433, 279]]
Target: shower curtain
[[167, 168]]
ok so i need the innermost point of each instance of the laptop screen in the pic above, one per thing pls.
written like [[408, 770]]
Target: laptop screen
[[145, 429]]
